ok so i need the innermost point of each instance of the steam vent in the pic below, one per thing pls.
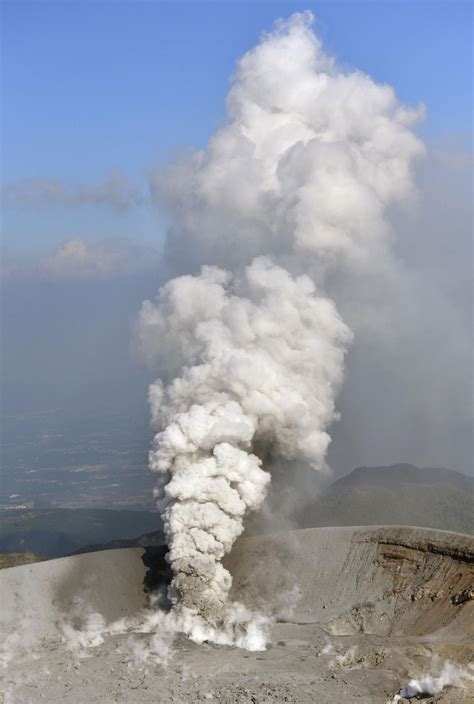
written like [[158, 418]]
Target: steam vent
[[351, 612]]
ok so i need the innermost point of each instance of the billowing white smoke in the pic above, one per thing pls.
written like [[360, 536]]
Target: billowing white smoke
[[255, 363], [250, 356], [309, 161]]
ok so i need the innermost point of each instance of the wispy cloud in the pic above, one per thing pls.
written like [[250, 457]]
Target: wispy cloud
[[115, 191], [77, 260]]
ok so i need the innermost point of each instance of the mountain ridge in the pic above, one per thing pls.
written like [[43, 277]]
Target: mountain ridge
[[410, 473], [400, 494]]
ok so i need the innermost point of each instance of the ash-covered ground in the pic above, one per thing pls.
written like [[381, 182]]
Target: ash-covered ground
[[355, 615]]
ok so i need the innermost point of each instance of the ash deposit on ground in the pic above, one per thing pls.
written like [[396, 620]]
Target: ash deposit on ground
[[280, 256]]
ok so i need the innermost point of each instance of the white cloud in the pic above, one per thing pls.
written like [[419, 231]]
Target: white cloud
[[76, 260], [115, 191]]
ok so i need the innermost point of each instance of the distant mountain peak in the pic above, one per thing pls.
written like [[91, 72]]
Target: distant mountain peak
[[404, 473], [398, 494]]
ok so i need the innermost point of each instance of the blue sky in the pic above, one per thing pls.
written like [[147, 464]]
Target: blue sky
[[89, 86], [93, 86]]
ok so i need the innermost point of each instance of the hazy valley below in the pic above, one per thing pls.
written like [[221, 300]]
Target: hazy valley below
[[396, 495]]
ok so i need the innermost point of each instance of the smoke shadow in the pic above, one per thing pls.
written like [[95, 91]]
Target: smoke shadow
[[159, 574]]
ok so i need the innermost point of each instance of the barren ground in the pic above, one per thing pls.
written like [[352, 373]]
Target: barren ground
[[358, 613]]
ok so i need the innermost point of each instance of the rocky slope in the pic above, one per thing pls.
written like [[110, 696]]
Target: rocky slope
[[356, 614]]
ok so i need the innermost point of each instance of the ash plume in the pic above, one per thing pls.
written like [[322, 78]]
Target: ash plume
[[245, 357], [249, 352]]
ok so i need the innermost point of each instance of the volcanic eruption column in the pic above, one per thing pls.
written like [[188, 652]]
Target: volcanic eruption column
[[250, 352]]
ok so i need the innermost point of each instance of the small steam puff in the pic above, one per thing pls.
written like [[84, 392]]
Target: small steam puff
[[451, 675], [150, 632], [250, 353]]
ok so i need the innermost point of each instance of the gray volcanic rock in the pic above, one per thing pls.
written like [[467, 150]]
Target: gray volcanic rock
[[358, 612]]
